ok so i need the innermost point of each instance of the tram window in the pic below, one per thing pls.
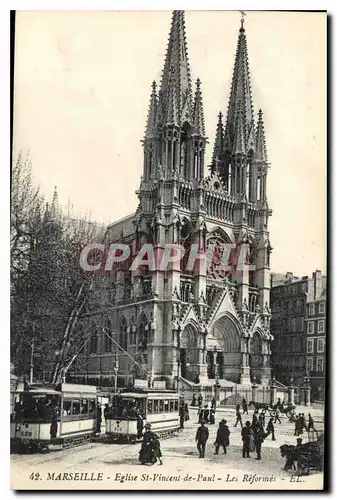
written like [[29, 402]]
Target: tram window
[[161, 406], [155, 406], [150, 407], [166, 406], [171, 405], [92, 405], [176, 405], [66, 407], [84, 406], [76, 407]]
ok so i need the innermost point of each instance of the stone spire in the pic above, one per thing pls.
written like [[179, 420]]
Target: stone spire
[[218, 144], [198, 112], [240, 93], [176, 63], [152, 113], [260, 140]]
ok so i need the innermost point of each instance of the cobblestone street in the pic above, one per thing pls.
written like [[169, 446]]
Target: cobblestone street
[[119, 467]]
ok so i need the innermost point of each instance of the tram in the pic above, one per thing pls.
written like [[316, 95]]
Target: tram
[[131, 411], [65, 415]]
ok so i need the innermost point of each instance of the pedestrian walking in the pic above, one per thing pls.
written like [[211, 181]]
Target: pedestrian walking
[[238, 417], [297, 431], [222, 437], [303, 422], [244, 406], [246, 434], [98, 418], [157, 455], [206, 413], [212, 415], [255, 420], [200, 414], [200, 400], [213, 402], [311, 423], [258, 440], [270, 429], [261, 418], [181, 416], [201, 439], [277, 415], [187, 413], [194, 400]]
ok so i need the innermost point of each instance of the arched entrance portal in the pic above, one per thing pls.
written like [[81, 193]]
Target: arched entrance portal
[[256, 361], [189, 353], [224, 359]]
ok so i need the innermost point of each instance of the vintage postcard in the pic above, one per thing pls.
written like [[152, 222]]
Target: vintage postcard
[[168, 250]]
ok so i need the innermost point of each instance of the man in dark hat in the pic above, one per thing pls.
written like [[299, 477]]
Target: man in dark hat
[[246, 433], [222, 437], [201, 439], [244, 406], [270, 429], [258, 440]]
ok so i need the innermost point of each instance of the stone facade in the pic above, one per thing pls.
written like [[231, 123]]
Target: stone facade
[[296, 312], [207, 323]]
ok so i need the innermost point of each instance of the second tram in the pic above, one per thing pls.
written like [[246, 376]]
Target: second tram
[[131, 411]]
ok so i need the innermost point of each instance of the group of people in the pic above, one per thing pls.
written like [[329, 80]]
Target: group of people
[[206, 413], [300, 424]]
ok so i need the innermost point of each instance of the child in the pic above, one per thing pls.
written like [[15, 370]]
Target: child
[[156, 450]]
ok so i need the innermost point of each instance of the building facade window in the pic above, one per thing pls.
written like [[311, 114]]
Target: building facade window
[[322, 307], [310, 364], [320, 345], [311, 309], [319, 364], [311, 327], [321, 326], [310, 345]]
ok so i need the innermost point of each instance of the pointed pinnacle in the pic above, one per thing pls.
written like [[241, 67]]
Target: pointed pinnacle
[[198, 112], [152, 113], [260, 142]]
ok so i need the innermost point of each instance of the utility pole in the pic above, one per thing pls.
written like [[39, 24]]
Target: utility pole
[[116, 372], [31, 366]]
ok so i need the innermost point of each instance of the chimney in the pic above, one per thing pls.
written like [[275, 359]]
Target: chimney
[[317, 277]]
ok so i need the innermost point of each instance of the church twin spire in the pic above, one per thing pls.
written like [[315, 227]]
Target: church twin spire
[[174, 104], [238, 141]]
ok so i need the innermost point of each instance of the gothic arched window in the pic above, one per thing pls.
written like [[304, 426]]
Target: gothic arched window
[[218, 257], [185, 241]]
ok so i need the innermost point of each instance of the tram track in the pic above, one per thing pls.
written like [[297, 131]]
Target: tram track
[[58, 456]]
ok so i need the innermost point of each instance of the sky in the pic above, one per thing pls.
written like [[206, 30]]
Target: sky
[[82, 87]]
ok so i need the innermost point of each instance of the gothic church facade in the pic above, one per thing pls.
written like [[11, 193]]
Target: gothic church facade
[[207, 324]]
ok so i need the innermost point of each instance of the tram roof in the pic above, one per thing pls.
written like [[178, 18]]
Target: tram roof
[[137, 393], [41, 390]]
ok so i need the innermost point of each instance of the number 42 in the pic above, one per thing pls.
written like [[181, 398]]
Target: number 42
[[34, 476]]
